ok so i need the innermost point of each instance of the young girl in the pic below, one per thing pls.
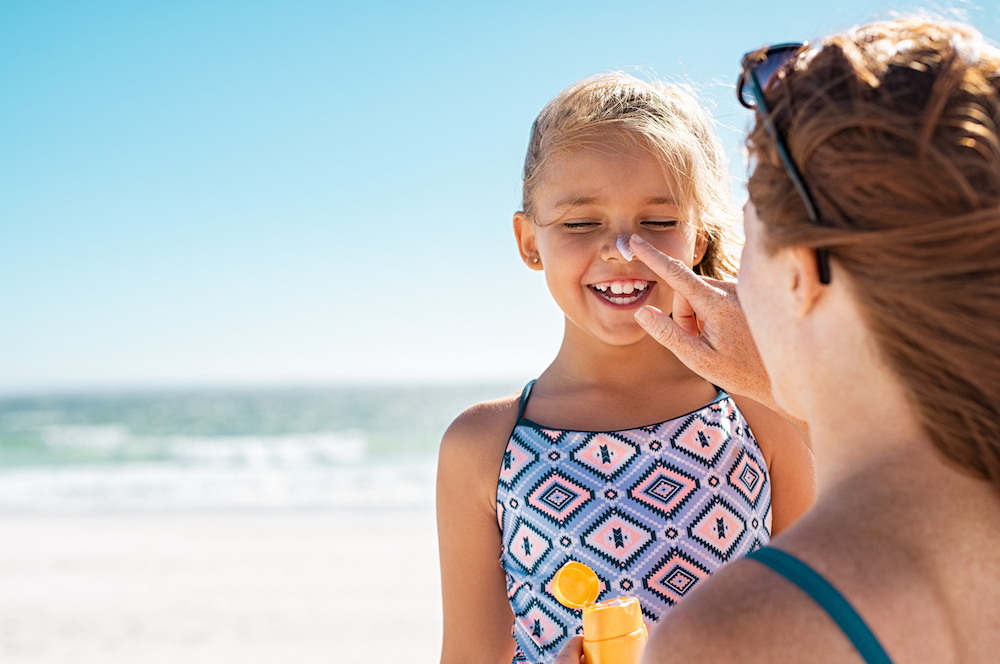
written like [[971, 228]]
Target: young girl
[[617, 456]]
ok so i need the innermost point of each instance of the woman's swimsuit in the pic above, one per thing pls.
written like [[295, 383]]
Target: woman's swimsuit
[[652, 510], [829, 599]]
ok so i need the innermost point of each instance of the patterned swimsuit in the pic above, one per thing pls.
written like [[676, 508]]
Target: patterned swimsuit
[[652, 510]]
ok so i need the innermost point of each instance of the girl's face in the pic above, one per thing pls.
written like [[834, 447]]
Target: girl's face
[[588, 198]]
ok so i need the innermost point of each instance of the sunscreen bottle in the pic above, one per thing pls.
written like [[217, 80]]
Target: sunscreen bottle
[[613, 630]]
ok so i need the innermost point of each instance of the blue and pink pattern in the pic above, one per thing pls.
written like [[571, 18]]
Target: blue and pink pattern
[[652, 510]]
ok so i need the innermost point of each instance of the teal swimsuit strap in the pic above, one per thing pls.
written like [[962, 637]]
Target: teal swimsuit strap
[[524, 399], [829, 599]]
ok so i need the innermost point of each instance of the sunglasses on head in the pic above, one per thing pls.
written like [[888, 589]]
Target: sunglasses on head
[[759, 72]]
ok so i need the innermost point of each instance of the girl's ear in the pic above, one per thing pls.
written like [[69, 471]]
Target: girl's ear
[[524, 231], [700, 247]]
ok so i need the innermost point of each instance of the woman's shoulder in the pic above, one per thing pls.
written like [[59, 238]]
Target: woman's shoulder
[[748, 612], [745, 614]]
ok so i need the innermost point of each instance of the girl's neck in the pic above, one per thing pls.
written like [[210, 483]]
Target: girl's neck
[[595, 386], [584, 361]]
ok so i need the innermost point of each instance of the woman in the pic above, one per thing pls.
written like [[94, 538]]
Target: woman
[[871, 284]]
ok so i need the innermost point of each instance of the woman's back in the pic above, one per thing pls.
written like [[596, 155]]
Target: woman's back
[[913, 550]]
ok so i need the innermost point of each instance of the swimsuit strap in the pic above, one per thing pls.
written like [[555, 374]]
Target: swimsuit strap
[[524, 399], [829, 599]]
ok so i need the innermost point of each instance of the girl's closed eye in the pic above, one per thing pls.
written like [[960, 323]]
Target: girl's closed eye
[[660, 223], [581, 224]]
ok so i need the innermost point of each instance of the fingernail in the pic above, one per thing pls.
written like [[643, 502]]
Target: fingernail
[[637, 239], [643, 315], [624, 249]]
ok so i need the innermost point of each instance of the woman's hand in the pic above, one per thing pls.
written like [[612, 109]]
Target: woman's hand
[[708, 331], [572, 652]]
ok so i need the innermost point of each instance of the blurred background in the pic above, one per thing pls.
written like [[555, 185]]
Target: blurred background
[[254, 257]]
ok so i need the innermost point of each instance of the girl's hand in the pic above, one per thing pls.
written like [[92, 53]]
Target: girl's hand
[[572, 652], [708, 331]]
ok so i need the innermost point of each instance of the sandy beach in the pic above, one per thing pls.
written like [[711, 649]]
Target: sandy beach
[[349, 587]]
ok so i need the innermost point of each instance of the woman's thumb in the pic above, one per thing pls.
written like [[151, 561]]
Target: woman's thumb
[[691, 349], [659, 326]]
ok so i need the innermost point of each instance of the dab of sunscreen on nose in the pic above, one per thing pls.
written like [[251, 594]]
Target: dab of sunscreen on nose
[[624, 249]]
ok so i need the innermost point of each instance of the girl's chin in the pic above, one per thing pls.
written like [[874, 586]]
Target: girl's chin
[[620, 330], [623, 338]]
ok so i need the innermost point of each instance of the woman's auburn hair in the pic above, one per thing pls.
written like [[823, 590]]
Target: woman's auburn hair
[[664, 119], [894, 127]]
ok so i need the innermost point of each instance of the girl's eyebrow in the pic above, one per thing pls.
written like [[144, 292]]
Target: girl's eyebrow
[[577, 201]]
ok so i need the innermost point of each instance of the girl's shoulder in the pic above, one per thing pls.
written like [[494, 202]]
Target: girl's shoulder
[[788, 459], [770, 430], [475, 442]]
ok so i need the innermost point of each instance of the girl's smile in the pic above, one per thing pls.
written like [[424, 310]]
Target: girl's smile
[[628, 293]]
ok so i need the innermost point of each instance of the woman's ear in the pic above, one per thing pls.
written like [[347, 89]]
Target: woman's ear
[[524, 231], [806, 287]]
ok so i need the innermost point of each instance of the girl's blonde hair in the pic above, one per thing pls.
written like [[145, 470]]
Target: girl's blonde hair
[[657, 117]]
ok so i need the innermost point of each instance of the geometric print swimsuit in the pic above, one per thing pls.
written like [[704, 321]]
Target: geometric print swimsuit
[[652, 510]]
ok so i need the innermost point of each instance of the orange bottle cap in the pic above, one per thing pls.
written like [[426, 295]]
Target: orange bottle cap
[[575, 585]]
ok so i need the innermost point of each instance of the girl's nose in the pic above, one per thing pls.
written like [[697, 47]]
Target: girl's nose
[[616, 248], [623, 247]]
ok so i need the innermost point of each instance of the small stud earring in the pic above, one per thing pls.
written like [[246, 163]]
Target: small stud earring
[[534, 260]]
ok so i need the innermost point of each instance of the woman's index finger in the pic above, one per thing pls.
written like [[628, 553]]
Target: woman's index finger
[[677, 275]]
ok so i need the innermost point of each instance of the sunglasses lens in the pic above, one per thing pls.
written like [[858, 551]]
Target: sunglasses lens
[[767, 70]]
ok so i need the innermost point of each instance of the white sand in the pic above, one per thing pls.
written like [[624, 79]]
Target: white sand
[[330, 587]]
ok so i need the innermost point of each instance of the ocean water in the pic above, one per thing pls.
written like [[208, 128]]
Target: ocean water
[[302, 449]]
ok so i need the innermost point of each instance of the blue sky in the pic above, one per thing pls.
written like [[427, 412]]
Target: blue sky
[[255, 193]]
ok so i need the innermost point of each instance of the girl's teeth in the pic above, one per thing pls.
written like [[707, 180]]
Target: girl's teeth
[[623, 288]]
